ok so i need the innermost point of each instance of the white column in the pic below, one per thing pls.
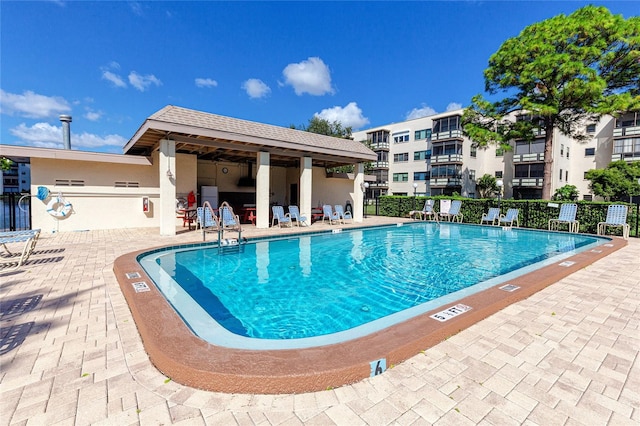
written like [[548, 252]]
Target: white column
[[306, 184], [262, 190], [358, 196], [167, 175]]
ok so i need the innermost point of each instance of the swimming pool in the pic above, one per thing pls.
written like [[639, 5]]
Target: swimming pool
[[316, 290]]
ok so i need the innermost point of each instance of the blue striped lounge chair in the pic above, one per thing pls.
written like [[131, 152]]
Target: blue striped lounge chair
[[329, 214], [344, 215], [27, 238], [453, 215], [616, 218], [491, 217], [566, 216], [294, 214], [510, 218], [426, 212], [280, 217]]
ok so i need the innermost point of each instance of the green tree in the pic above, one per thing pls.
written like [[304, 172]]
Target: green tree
[[487, 186], [5, 163], [566, 193], [618, 181], [564, 72]]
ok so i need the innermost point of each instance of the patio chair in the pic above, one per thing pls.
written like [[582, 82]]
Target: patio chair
[[229, 221], [427, 211], [454, 212], [616, 218], [492, 216], [509, 218], [280, 216], [344, 215], [329, 214], [207, 220], [294, 214], [567, 216], [29, 238]]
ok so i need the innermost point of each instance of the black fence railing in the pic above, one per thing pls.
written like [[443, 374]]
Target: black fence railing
[[15, 212], [533, 213]]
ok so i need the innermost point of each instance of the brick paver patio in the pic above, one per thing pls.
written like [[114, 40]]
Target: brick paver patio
[[71, 354]]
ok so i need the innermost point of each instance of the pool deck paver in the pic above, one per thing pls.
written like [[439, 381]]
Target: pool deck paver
[[566, 355]]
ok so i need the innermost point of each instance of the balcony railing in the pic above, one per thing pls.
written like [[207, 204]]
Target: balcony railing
[[452, 181], [451, 134], [378, 184], [626, 131], [528, 158], [530, 182], [449, 158], [380, 164], [380, 146], [626, 156]]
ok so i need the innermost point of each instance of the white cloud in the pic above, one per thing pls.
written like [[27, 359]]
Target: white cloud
[[206, 82], [93, 115], [142, 82], [349, 116], [47, 136], [311, 76], [136, 8], [113, 78], [32, 105], [256, 88], [453, 106], [423, 111]]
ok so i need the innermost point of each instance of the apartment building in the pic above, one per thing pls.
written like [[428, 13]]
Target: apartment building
[[431, 156]]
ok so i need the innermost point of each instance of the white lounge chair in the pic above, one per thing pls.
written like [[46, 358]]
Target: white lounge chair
[[567, 216], [426, 212], [509, 218], [344, 215], [454, 212], [280, 216], [492, 216], [28, 237], [330, 215], [616, 218], [294, 214]]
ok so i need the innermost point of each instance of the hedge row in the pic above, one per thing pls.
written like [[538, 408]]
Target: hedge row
[[533, 213]]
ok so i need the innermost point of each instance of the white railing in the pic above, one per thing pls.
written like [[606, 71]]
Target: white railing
[[449, 158], [524, 158]]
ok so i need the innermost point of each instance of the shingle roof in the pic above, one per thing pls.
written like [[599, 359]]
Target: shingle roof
[[203, 126]]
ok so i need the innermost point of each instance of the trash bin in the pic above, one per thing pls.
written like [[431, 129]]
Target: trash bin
[[348, 208]]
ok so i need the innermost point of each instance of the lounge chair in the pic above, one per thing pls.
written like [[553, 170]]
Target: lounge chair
[[294, 214], [329, 214], [207, 220], [229, 221], [567, 215], [280, 216], [427, 211], [454, 212], [509, 218], [492, 216], [29, 238], [616, 218], [344, 215]]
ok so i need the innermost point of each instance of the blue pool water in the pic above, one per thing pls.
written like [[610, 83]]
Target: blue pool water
[[315, 289]]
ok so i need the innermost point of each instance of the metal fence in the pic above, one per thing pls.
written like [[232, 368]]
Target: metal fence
[[15, 211], [533, 213]]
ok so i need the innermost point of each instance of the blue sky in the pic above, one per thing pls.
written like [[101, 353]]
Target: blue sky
[[111, 64]]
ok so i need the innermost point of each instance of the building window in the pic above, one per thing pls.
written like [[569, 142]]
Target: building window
[[588, 152], [422, 134], [560, 175], [420, 155], [567, 152], [499, 152], [591, 128], [401, 137], [566, 175], [448, 171], [474, 151], [584, 176], [587, 197], [561, 150], [401, 158], [498, 174], [446, 124], [627, 146], [420, 175], [401, 177], [534, 170], [472, 175], [535, 147]]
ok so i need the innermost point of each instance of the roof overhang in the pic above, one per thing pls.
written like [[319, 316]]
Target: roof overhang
[[218, 138], [24, 153]]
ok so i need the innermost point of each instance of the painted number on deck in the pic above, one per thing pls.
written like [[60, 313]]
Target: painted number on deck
[[378, 367], [451, 312]]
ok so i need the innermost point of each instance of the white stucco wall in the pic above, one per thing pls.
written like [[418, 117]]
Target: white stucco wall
[[99, 204]]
